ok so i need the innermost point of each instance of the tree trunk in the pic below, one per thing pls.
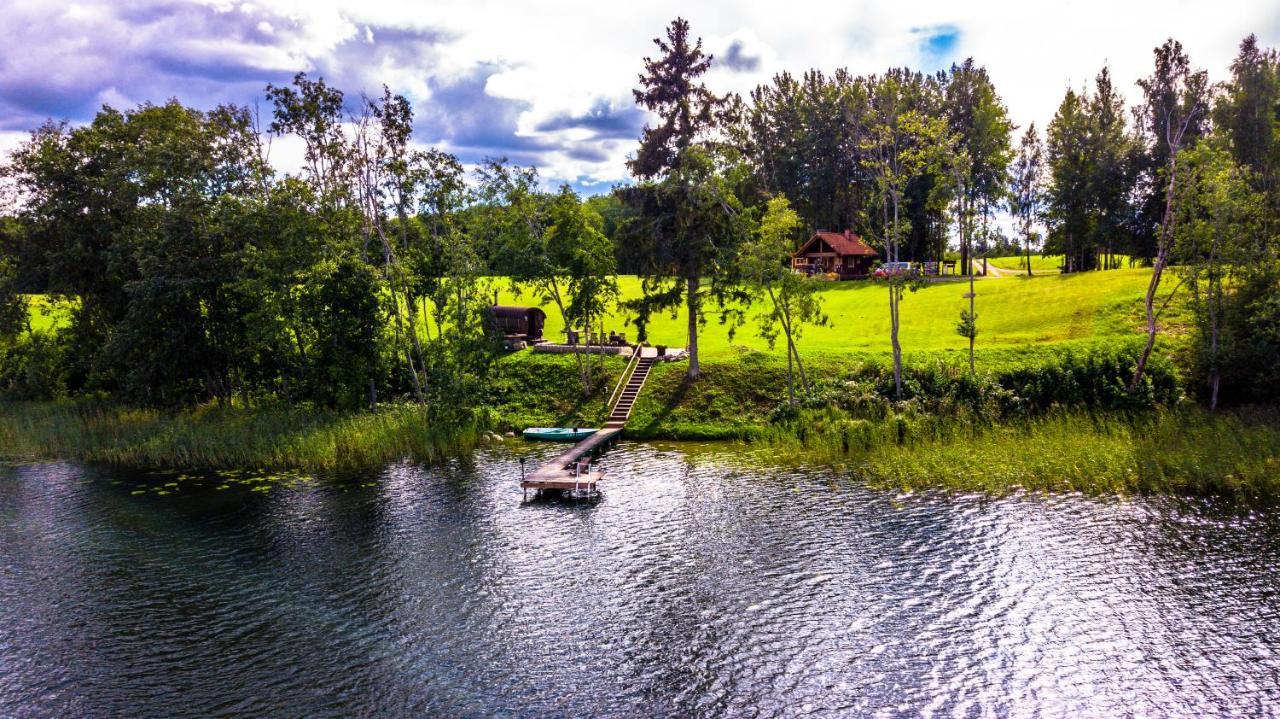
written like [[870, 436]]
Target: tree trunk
[[791, 382], [584, 368], [407, 346], [1027, 243], [1162, 257], [785, 319], [972, 318], [791, 344], [893, 338], [893, 309], [692, 300], [416, 348], [1214, 381]]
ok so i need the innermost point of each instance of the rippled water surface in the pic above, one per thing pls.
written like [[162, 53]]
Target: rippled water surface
[[696, 587]]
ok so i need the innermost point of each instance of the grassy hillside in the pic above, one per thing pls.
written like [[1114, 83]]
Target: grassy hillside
[[1044, 264], [1039, 263], [1012, 311]]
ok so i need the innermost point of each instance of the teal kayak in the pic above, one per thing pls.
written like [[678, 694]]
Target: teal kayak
[[559, 434]]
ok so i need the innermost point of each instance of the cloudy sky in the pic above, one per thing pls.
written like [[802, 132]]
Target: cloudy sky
[[549, 82]]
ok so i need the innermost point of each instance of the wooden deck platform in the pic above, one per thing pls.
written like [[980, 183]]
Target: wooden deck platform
[[559, 473]]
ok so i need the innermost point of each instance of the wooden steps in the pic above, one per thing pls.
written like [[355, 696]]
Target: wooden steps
[[621, 410], [567, 471]]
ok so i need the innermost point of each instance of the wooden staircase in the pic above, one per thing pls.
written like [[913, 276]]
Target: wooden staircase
[[573, 470], [627, 397]]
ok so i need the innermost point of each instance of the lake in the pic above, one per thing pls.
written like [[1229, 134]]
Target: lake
[[701, 584]]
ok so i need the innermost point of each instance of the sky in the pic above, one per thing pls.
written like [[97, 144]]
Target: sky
[[549, 83]]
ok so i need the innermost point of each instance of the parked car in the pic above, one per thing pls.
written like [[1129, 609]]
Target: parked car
[[889, 269]]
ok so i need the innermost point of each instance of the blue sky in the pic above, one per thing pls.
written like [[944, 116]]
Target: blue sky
[[549, 83]]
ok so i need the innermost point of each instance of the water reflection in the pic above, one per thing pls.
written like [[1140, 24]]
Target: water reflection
[[697, 587]]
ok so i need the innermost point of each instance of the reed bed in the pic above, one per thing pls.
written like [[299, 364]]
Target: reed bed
[[1185, 451], [223, 438]]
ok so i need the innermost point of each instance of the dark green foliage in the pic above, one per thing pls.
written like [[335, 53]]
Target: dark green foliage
[[1094, 378], [1175, 115], [670, 87], [1246, 111], [1092, 169], [195, 274], [35, 366], [348, 322], [14, 315], [803, 136], [1251, 325], [131, 216], [685, 221], [810, 139]]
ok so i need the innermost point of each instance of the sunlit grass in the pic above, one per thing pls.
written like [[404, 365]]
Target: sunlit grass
[[1184, 452], [1043, 264], [1039, 263], [45, 313], [1011, 311]]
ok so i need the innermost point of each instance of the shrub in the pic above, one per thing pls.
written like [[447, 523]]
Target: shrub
[[34, 367]]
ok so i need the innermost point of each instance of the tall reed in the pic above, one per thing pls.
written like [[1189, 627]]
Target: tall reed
[[1184, 451], [211, 437]]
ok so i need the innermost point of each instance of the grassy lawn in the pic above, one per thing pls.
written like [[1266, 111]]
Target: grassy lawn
[[1039, 263], [44, 313], [1012, 311]]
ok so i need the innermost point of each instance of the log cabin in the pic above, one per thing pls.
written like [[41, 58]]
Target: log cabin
[[844, 254]]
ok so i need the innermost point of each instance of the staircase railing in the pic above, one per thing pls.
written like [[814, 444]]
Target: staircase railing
[[624, 379]]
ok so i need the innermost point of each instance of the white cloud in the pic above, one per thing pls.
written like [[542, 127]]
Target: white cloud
[[563, 56], [570, 58]]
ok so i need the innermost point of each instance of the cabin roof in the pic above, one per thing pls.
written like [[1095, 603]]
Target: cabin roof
[[844, 244], [509, 312]]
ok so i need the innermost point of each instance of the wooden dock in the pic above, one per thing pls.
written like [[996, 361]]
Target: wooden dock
[[564, 472], [571, 470]]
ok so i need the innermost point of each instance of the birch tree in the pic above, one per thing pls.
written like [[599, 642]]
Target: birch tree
[[901, 145], [1175, 105], [1026, 191], [792, 297]]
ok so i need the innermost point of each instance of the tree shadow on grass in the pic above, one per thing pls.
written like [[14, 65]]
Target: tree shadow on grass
[[579, 410], [673, 400]]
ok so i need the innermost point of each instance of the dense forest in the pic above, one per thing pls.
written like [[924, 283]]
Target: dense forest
[[191, 271]]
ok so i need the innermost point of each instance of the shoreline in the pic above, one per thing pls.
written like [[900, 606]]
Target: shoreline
[[1182, 451]]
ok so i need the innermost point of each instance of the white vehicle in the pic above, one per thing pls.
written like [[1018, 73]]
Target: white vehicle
[[894, 268]]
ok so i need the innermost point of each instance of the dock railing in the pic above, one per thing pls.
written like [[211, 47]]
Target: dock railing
[[626, 377]]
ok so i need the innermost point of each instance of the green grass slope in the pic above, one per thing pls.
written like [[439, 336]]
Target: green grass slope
[[1012, 311], [1039, 263]]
